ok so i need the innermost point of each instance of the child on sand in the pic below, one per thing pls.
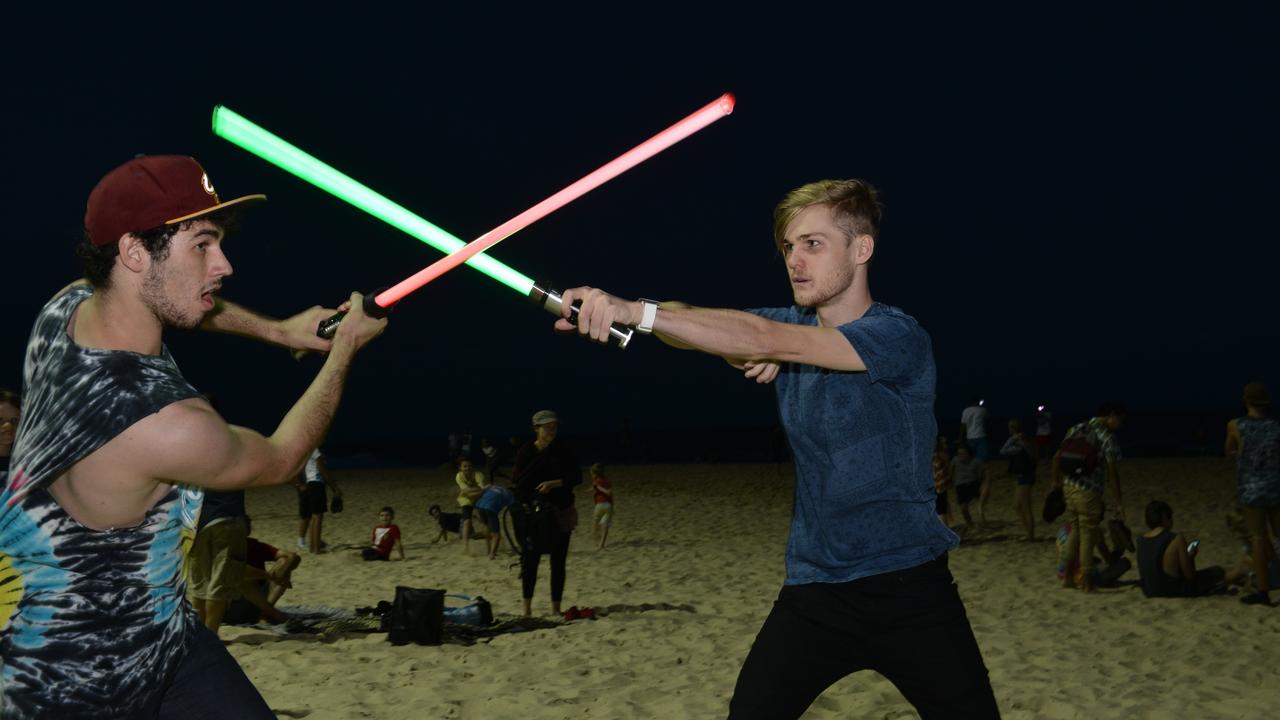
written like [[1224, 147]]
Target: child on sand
[[603, 516], [385, 536]]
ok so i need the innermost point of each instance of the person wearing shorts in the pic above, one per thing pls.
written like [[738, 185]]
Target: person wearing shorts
[[1254, 440], [215, 568], [313, 501], [967, 476]]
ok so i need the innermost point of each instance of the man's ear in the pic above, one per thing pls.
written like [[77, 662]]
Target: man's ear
[[133, 253], [865, 247]]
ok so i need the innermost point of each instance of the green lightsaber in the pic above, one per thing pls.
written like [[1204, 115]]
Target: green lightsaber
[[232, 126]]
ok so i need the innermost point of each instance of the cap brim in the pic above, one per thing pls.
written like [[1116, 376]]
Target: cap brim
[[238, 201]]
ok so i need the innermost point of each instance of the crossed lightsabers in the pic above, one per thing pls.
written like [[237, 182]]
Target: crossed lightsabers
[[234, 127]]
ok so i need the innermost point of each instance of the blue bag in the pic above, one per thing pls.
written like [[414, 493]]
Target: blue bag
[[476, 612]]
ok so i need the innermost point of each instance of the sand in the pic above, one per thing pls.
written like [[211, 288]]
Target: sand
[[694, 562]]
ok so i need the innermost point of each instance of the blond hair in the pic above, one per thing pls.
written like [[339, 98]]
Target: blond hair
[[855, 204]]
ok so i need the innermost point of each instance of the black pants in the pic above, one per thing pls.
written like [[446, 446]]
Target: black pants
[[529, 567], [210, 684], [909, 626]]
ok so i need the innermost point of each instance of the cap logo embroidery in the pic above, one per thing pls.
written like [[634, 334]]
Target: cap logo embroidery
[[208, 186]]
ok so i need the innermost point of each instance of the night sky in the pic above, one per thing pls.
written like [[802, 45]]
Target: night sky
[[1078, 204]]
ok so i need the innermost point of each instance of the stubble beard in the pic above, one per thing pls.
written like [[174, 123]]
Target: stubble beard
[[817, 296], [162, 306]]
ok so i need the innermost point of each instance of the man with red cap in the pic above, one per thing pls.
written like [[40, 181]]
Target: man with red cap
[[116, 449]]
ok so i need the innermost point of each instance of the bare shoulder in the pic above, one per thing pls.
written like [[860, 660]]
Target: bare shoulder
[[184, 442]]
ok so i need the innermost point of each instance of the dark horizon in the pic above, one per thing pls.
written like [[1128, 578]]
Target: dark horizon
[[1078, 205]]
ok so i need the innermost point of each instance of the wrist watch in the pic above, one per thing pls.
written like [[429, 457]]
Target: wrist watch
[[650, 314]]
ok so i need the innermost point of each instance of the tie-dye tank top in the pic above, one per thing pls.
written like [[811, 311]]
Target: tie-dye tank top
[[1258, 468], [92, 622]]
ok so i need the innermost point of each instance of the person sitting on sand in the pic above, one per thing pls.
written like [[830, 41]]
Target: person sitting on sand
[[263, 586], [1167, 561], [968, 473], [385, 536]]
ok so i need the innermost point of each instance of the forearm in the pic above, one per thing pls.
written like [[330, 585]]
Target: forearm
[[229, 317], [732, 334], [304, 426]]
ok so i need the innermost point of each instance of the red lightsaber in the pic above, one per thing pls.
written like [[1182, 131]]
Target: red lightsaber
[[380, 303]]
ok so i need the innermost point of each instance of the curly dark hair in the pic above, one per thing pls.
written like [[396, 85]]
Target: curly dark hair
[[9, 397], [96, 261]]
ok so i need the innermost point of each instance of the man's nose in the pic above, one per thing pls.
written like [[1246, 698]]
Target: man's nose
[[221, 266]]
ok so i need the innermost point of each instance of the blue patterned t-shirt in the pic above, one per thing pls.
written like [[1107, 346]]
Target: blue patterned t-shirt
[[863, 445]]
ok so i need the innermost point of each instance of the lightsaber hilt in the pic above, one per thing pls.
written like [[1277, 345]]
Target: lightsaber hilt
[[551, 301], [329, 325]]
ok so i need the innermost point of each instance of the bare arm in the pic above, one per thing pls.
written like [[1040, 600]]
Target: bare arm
[[191, 444], [737, 336], [1232, 446], [297, 332], [1186, 561]]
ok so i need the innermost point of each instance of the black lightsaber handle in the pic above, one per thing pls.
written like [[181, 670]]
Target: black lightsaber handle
[[329, 325], [550, 300]]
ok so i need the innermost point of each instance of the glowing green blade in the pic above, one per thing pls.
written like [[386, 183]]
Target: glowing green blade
[[232, 126]]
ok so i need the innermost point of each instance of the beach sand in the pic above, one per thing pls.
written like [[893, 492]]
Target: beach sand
[[694, 562]]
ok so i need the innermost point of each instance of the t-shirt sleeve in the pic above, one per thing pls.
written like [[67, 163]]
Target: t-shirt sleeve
[[785, 314], [892, 347]]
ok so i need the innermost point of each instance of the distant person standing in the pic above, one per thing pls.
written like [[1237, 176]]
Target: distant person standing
[[471, 484], [973, 423], [1254, 440], [968, 475], [216, 562], [942, 479], [1086, 462], [313, 502], [1022, 468], [602, 517], [545, 474], [1044, 431]]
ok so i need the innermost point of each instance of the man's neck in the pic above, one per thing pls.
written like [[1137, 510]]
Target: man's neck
[[1254, 412], [847, 307], [110, 321]]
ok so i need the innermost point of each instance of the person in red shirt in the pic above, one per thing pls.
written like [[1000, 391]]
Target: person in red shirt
[[603, 517], [268, 574], [385, 536]]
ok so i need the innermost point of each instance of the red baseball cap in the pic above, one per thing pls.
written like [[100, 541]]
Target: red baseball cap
[[150, 191]]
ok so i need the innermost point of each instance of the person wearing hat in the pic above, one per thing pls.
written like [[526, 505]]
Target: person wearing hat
[[867, 583], [116, 448], [1254, 440], [545, 474]]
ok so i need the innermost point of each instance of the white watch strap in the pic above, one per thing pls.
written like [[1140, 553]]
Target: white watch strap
[[650, 314]]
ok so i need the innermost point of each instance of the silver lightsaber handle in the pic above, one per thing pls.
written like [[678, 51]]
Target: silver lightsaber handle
[[550, 300]]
